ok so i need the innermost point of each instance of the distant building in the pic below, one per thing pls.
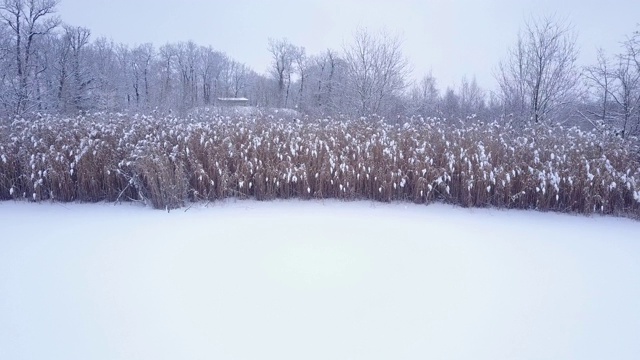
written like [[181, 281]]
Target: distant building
[[233, 101]]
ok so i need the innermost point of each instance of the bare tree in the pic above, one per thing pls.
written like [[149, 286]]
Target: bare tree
[[77, 39], [425, 96], [28, 20], [260, 90], [122, 79], [211, 70], [284, 54], [632, 48], [325, 78], [104, 65], [141, 61], [472, 97], [450, 107], [325, 66], [540, 77], [626, 94], [615, 85], [377, 70], [187, 56], [600, 80], [239, 73], [61, 66], [5, 65], [167, 60], [301, 66]]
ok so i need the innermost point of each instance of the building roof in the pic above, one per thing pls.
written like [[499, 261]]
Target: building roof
[[233, 99]]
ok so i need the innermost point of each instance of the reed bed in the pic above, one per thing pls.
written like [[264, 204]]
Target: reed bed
[[169, 162]]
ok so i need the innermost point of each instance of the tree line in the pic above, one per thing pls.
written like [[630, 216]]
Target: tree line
[[48, 66]]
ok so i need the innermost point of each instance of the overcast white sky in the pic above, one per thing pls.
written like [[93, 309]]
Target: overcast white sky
[[451, 38]]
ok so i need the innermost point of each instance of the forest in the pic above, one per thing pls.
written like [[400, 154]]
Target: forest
[[51, 67]]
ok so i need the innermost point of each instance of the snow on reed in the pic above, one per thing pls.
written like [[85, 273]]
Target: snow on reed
[[168, 162]]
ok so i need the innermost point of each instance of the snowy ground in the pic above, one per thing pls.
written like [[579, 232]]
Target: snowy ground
[[312, 280]]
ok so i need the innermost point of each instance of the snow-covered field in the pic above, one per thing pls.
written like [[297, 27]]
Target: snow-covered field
[[312, 280]]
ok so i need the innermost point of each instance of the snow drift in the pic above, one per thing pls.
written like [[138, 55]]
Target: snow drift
[[315, 280]]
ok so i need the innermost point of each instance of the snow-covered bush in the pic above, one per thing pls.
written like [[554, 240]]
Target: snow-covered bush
[[168, 161]]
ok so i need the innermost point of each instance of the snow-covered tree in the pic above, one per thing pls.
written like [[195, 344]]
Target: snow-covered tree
[[377, 70], [283, 55], [539, 78], [472, 98], [27, 22]]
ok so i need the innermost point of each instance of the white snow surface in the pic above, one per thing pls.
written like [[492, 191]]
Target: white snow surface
[[315, 280]]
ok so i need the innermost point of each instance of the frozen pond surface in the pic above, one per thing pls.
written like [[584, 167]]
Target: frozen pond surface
[[315, 280]]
